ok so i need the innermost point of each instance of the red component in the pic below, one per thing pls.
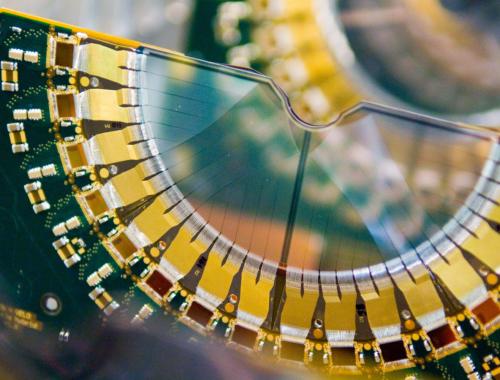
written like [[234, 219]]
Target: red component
[[393, 351], [244, 336], [442, 336], [159, 283], [486, 311], [199, 314]]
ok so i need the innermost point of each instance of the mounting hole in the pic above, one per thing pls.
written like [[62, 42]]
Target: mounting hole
[[51, 304], [405, 314], [318, 323]]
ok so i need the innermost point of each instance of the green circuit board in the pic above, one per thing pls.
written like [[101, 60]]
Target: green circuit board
[[40, 295]]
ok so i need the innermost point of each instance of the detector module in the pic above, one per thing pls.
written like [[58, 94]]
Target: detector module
[[137, 181]]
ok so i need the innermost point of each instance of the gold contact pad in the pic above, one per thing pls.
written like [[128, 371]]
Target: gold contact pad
[[183, 253], [339, 314], [114, 146], [131, 185], [106, 63], [458, 275], [216, 278], [109, 105], [421, 295], [254, 296], [153, 222], [382, 310], [482, 246], [298, 310]]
